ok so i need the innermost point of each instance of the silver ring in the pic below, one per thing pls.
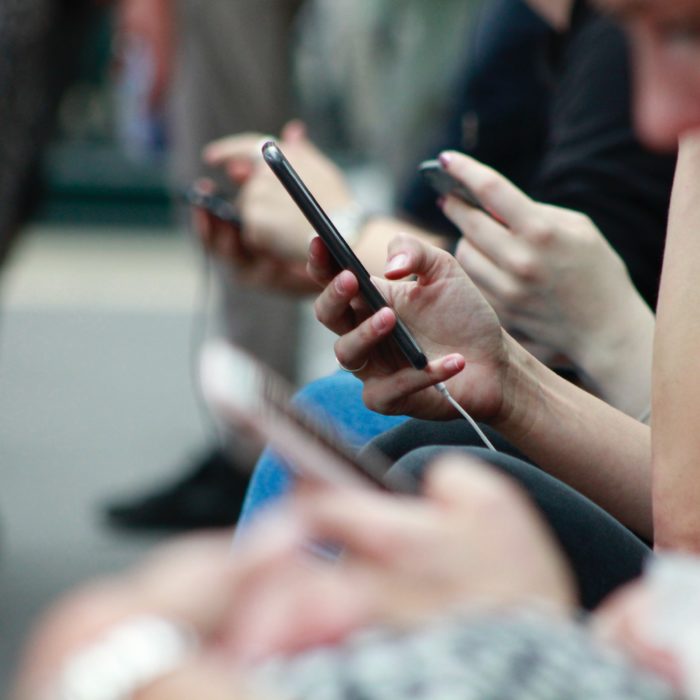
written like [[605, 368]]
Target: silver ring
[[352, 371]]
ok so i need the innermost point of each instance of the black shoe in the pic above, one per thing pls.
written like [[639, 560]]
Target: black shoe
[[210, 495]]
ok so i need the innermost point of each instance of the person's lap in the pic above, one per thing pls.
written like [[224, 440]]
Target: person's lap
[[336, 401], [603, 553]]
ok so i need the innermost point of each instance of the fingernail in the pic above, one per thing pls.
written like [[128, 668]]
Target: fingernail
[[379, 321], [453, 364], [445, 159], [398, 262], [441, 202], [339, 285]]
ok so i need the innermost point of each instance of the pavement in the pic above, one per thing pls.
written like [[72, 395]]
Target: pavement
[[98, 330]]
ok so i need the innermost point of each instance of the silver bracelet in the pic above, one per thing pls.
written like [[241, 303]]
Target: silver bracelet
[[350, 221], [125, 659]]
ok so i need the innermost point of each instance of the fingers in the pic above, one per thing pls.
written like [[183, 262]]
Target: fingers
[[294, 131], [239, 154], [389, 394], [320, 265], [243, 146], [493, 281], [352, 349], [407, 255], [221, 238], [465, 483], [499, 196], [333, 306], [507, 251], [366, 523]]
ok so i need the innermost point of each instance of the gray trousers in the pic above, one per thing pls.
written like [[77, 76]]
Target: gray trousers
[[232, 75]]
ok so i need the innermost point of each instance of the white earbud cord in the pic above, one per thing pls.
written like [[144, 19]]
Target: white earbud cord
[[443, 390]]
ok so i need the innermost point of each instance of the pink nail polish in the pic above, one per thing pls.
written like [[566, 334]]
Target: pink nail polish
[[379, 322], [452, 364], [398, 262]]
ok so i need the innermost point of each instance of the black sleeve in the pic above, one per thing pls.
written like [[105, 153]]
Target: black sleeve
[[499, 115], [594, 163]]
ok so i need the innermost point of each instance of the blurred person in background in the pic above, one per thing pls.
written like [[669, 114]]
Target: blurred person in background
[[226, 70], [538, 103], [215, 66], [40, 46], [229, 71]]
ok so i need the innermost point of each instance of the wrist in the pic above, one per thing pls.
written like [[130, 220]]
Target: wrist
[[351, 220], [520, 391], [616, 360]]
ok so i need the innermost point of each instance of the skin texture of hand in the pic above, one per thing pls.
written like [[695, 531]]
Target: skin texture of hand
[[256, 268], [552, 277], [268, 598], [474, 541], [273, 226], [449, 318], [272, 222]]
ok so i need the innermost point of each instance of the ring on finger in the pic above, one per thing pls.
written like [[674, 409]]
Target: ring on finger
[[355, 370]]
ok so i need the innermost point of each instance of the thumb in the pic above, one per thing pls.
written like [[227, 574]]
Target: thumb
[[408, 255], [466, 483], [294, 131]]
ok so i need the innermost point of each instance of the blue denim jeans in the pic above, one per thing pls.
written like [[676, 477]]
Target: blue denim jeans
[[335, 400]]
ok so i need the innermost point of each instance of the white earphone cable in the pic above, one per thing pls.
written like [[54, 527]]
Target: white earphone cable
[[443, 390]]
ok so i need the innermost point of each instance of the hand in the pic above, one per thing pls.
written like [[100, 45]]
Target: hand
[[474, 540], [255, 268], [163, 585], [623, 620], [272, 222], [551, 275], [449, 318], [272, 597]]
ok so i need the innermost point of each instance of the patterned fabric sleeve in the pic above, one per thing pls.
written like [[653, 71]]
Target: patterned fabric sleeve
[[523, 656]]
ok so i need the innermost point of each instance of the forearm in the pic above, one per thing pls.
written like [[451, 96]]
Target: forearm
[[576, 437], [676, 379], [617, 363]]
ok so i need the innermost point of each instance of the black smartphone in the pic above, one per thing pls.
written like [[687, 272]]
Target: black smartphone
[[249, 398], [342, 253], [215, 204], [444, 183]]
